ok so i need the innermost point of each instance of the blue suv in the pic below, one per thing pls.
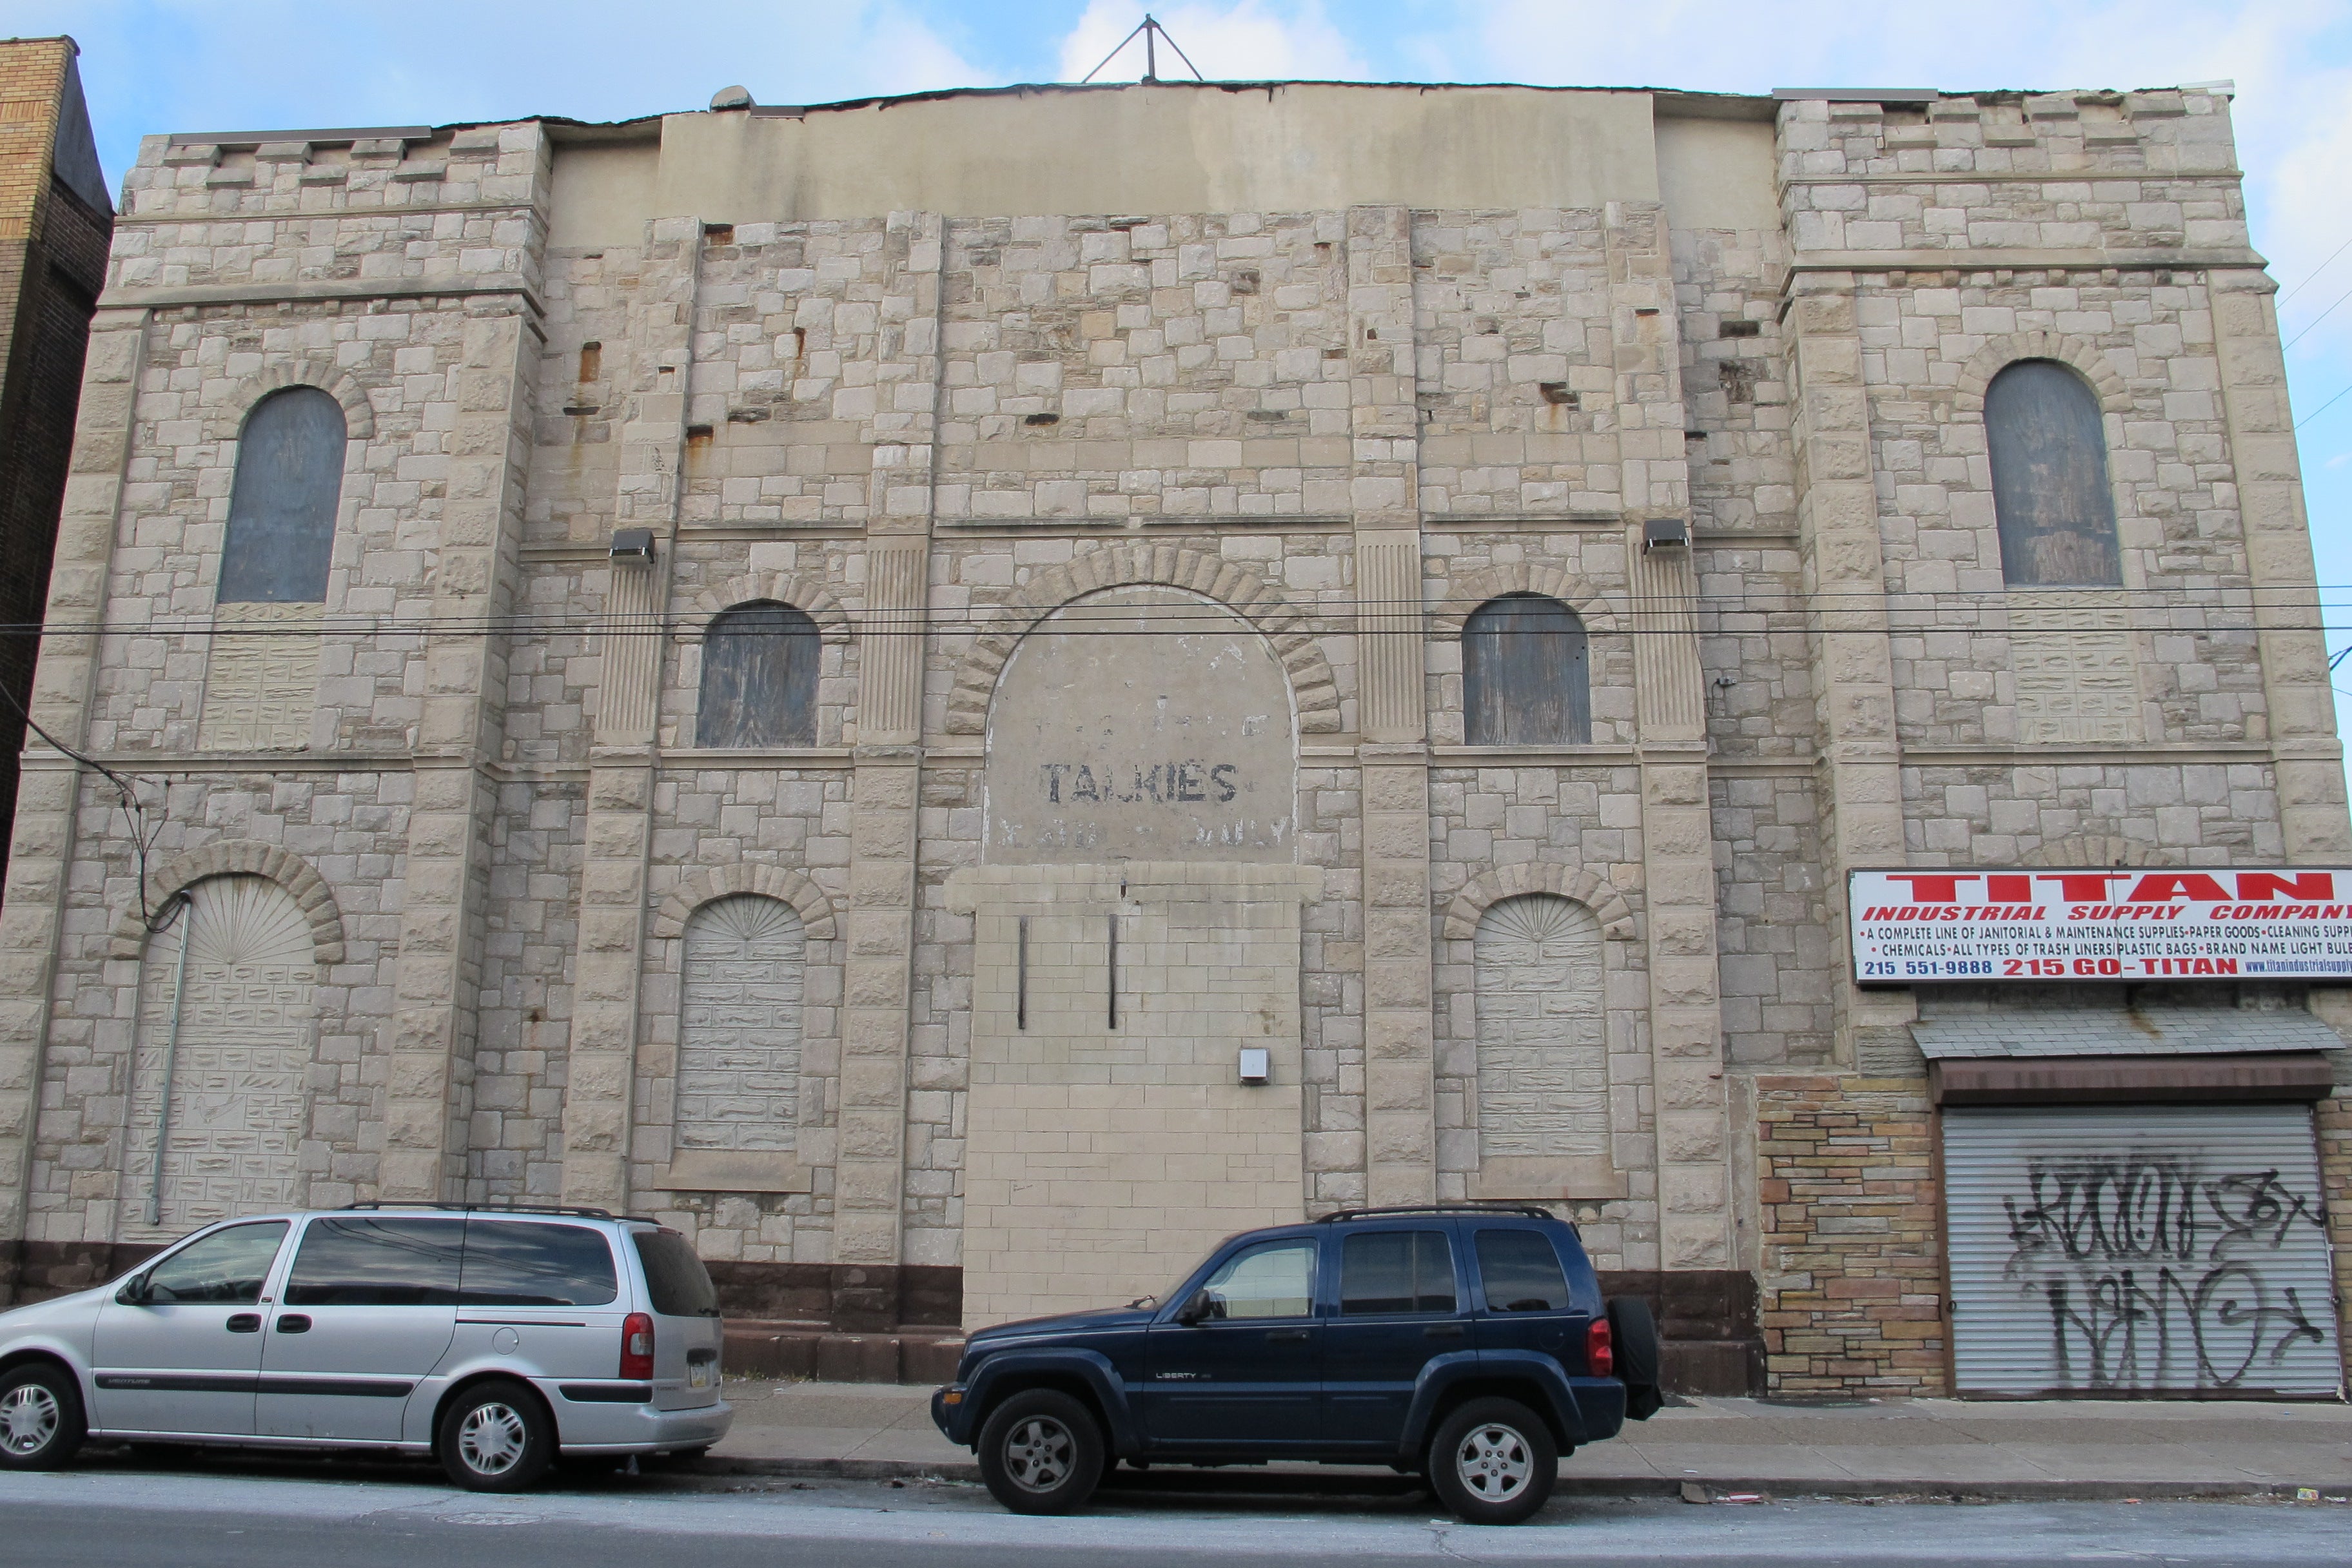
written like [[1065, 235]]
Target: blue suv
[[1467, 1343]]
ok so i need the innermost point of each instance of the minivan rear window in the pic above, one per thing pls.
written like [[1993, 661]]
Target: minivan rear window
[[515, 1263], [674, 1278], [373, 1260]]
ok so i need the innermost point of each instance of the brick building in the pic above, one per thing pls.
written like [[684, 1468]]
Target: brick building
[[833, 674], [55, 218]]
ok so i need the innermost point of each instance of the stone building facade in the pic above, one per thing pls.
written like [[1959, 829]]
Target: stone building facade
[[54, 219], [828, 674]]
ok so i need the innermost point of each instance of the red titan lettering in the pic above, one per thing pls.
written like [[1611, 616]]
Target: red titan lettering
[[1933, 887], [2009, 890], [2269, 884], [2166, 886], [2073, 886]]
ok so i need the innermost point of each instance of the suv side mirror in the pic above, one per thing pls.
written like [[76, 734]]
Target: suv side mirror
[[1203, 1305], [133, 1292]]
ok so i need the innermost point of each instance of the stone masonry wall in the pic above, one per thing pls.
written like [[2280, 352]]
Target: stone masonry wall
[[1852, 1272]]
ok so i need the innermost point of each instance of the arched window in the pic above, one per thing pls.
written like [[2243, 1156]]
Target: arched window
[[261, 680], [281, 506], [2049, 495], [1543, 1049], [1524, 675], [758, 678], [739, 1038]]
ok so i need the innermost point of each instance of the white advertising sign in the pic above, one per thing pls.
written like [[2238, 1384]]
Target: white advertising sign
[[2141, 923]]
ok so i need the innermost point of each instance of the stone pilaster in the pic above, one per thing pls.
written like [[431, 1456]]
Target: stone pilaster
[[430, 1036], [869, 1222], [1400, 1035], [602, 1061], [32, 915], [2306, 755], [1677, 830], [1853, 662]]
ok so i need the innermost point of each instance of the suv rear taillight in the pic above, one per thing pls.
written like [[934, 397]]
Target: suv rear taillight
[[1600, 1351], [637, 1347]]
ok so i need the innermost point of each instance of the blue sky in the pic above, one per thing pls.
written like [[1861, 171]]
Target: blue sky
[[154, 66]]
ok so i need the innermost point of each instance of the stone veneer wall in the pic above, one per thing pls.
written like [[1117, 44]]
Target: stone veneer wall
[[1852, 1276]]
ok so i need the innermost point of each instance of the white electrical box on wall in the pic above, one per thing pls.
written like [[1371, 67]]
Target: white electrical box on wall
[[1253, 1064]]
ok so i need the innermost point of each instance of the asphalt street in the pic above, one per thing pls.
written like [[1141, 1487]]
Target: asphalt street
[[262, 1515]]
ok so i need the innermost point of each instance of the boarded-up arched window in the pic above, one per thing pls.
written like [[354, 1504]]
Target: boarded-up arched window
[[2049, 495], [758, 678], [219, 1087], [261, 680], [738, 1044], [1543, 1049], [281, 506], [1525, 675]]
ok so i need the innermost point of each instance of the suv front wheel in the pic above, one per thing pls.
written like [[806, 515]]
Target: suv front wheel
[[1041, 1452], [1493, 1462]]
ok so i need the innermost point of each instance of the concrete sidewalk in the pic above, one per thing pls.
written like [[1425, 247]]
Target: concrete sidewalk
[[2037, 1450]]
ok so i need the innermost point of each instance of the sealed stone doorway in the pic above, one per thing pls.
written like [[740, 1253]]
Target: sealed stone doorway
[[1136, 927]]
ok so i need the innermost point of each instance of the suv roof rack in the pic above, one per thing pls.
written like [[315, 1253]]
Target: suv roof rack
[[575, 1210], [1531, 1211]]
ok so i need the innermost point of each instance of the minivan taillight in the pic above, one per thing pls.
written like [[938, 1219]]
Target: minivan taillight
[[1600, 1351], [637, 1347]]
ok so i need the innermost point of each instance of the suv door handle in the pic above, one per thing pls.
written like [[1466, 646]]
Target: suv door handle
[[293, 1323], [244, 1323], [1442, 1331], [1273, 1335]]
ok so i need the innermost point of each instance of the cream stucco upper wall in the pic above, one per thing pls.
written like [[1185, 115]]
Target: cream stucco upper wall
[[1146, 150], [1718, 173]]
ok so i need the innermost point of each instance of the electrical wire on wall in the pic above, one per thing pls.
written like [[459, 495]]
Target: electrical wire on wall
[[144, 834]]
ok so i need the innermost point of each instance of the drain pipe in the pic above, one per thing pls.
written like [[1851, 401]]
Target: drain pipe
[[171, 1061]]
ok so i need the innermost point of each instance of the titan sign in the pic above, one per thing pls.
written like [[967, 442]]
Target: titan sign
[[2141, 923]]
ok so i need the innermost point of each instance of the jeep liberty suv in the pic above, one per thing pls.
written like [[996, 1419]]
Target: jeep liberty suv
[[1467, 1343]]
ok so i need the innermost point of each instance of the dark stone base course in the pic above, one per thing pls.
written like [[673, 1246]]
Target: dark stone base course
[[1708, 1320], [37, 1270], [853, 1323]]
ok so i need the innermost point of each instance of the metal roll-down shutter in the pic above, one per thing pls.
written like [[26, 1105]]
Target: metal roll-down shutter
[[2138, 1250]]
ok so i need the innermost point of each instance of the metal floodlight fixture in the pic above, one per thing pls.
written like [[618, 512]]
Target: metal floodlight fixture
[[1664, 534], [635, 545]]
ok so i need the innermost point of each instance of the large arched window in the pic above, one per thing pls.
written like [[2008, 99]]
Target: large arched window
[[261, 680], [281, 508], [1543, 1048], [2049, 495], [738, 1040], [1525, 675], [758, 678]]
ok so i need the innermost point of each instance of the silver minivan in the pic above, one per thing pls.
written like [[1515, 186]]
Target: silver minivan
[[492, 1339]]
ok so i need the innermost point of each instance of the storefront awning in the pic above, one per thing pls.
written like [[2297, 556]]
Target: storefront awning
[[2124, 1032]]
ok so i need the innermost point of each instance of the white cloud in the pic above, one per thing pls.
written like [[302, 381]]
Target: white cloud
[[1252, 40]]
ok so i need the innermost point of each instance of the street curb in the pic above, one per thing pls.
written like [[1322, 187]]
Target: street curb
[[1259, 1481]]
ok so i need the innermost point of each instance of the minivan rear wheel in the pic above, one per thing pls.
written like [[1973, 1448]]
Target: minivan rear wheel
[[1493, 1461], [1041, 1452], [496, 1437]]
